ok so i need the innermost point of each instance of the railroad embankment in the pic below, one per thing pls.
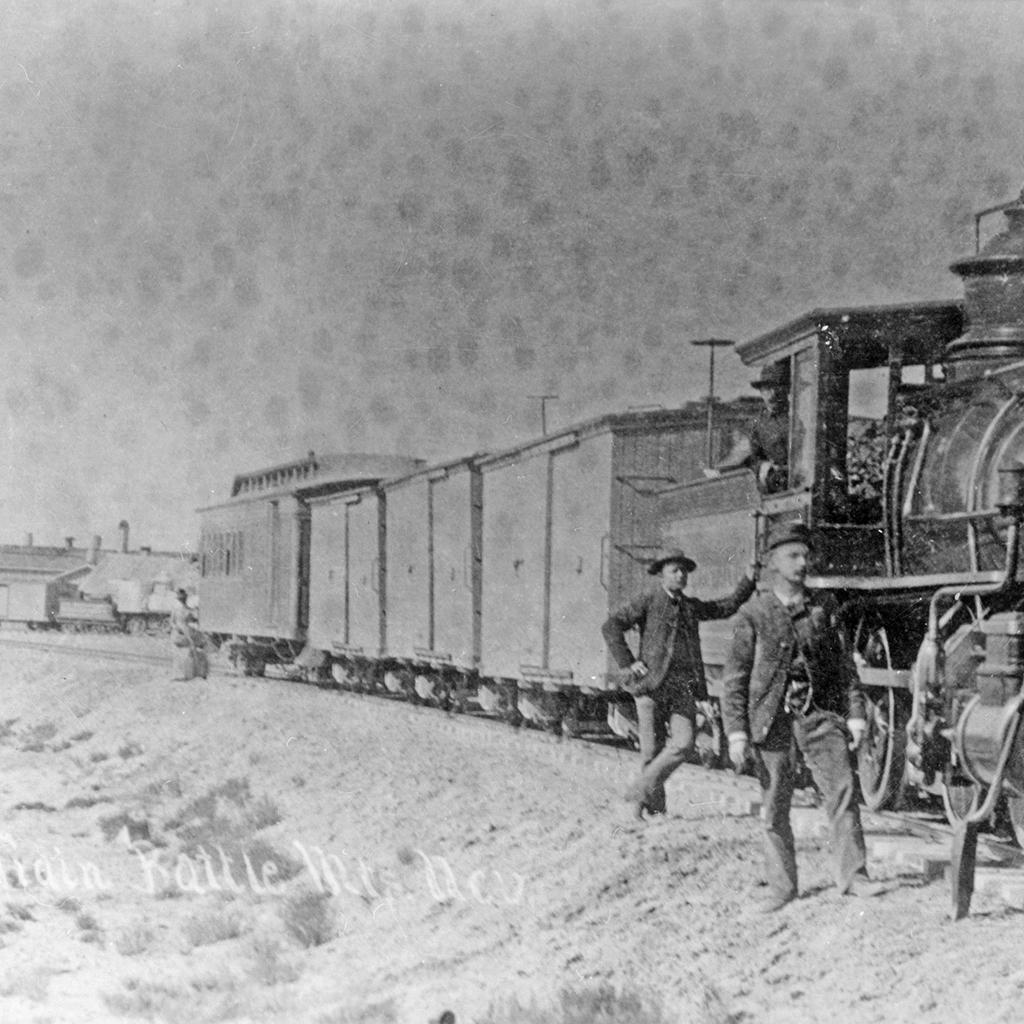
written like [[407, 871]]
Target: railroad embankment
[[244, 849]]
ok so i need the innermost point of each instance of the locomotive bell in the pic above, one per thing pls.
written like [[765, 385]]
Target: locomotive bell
[[994, 299]]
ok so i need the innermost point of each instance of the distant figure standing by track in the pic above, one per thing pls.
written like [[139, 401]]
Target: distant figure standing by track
[[667, 674], [791, 684], [189, 647]]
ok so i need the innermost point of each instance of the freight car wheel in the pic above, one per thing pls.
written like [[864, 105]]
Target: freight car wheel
[[253, 666]]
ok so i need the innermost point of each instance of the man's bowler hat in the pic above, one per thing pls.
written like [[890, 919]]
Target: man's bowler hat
[[671, 555], [773, 375], [788, 533]]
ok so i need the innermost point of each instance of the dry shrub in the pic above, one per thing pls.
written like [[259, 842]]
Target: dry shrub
[[20, 912], [35, 738], [8, 924], [89, 927], [82, 737], [219, 804], [129, 749], [236, 790], [202, 998], [220, 824], [112, 824], [264, 813], [31, 983], [164, 787], [261, 852], [212, 926], [372, 1013], [7, 729], [600, 1004], [86, 801], [267, 965], [309, 917], [134, 940]]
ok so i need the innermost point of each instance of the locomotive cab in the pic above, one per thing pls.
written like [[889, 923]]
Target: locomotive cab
[[857, 374]]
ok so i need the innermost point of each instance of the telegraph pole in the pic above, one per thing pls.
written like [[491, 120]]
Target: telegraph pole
[[543, 399], [711, 344]]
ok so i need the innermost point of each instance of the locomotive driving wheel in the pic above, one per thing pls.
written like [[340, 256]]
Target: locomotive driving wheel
[[882, 752]]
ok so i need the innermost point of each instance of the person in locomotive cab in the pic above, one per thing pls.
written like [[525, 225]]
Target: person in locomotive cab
[[666, 676], [765, 450], [790, 683]]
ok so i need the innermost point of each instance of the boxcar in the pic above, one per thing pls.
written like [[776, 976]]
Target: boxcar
[[346, 582], [255, 552], [432, 580], [569, 524]]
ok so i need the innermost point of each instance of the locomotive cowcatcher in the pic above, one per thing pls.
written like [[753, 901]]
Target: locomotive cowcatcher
[[906, 456]]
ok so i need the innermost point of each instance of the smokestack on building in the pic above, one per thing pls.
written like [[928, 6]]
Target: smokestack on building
[[123, 527], [94, 549], [69, 542], [28, 540]]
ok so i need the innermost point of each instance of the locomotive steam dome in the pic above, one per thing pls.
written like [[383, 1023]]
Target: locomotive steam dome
[[994, 299]]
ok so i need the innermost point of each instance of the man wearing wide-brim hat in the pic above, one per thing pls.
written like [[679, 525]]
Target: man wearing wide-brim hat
[[765, 450], [666, 676], [790, 684]]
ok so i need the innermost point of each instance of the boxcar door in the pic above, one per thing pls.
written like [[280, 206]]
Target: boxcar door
[[327, 576], [408, 568], [513, 565], [363, 583], [456, 561], [580, 504]]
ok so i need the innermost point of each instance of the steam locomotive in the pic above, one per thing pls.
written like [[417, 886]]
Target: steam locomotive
[[485, 580], [923, 552]]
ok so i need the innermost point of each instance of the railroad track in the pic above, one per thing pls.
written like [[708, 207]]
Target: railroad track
[[907, 842], [78, 650]]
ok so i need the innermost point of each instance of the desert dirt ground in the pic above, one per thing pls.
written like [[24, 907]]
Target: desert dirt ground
[[241, 849]]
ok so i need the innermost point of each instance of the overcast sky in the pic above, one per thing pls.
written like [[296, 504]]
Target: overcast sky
[[237, 231]]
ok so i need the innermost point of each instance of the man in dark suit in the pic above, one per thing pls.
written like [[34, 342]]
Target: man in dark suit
[[667, 674], [765, 449], [790, 683]]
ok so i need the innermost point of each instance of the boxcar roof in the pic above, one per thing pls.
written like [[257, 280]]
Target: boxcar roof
[[436, 468], [924, 327], [635, 420], [316, 475]]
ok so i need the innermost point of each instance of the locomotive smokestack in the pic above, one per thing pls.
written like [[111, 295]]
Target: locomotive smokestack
[[994, 298], [123, 527]]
